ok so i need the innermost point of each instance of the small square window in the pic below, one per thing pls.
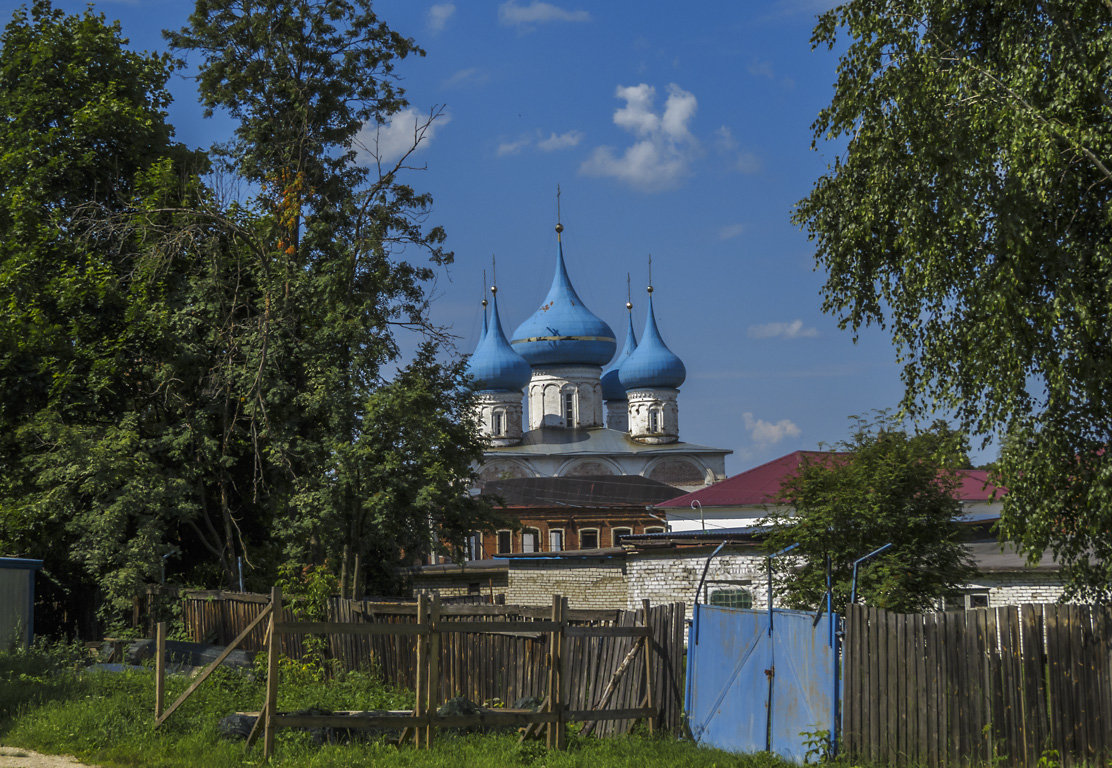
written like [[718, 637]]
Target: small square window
[[588, 539], [617, 534], [978, 600], [732, 598]]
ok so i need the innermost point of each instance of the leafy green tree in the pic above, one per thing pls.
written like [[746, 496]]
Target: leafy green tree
[[189, 381], [881, 486], [968, 215], [400, 491], [82, 126]]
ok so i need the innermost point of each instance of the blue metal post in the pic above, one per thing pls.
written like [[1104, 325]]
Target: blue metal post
[[777, 554], [853, 589]]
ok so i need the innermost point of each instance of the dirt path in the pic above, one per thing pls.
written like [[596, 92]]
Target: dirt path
[[17, 757]]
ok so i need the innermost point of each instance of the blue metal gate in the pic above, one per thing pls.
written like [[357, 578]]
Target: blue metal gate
[[752, 687]]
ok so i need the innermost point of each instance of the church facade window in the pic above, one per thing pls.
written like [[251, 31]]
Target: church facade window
[[569, 409]]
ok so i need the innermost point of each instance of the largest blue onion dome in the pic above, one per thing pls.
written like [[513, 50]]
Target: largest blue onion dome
[[495, 366], [563, 331], [612, 388], [652, 365]]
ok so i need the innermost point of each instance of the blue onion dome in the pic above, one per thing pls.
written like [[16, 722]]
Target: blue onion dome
[[563, 331], [612, 388], [495, 366], [652, 365]]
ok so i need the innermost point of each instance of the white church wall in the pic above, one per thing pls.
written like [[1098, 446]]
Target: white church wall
[[547, 390]]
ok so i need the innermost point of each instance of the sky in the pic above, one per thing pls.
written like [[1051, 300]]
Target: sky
[[677, 130]]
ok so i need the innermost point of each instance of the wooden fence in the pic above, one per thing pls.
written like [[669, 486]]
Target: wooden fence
[[992, 685], [502, 666]]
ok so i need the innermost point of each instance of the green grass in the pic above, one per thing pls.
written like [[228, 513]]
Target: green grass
[[48, 703]]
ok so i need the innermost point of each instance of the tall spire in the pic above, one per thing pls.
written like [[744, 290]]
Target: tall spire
[[495, 366], [483, 292], [652, 365], [563, 331], [612, 388]]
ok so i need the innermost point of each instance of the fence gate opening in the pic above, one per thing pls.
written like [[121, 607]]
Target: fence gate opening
[[753, 687]]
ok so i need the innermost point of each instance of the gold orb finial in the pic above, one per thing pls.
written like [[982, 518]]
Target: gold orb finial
[[484, 302], [559, 227], [494, 289], [650, 289], [629, 305]]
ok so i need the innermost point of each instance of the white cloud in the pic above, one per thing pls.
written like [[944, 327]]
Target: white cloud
[[513, 15], [391, 141], [463, 77], [747, 162], [730, 231], [514, 147], [560, 141], [552, 143], [439, 14], [666, 148], [793, 330], [743, 162], [768, 433]]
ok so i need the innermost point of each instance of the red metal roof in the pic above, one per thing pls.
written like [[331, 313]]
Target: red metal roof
[[760, 485]]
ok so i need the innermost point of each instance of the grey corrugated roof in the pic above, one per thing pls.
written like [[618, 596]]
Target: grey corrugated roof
[[548, 441]]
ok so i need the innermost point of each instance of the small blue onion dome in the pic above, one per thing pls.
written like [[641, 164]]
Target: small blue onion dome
[[652, 365], [563, 331], [612, 388], [495, 366]]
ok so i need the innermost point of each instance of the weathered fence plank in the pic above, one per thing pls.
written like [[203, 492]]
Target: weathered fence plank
[[984, 686], [481, 667]]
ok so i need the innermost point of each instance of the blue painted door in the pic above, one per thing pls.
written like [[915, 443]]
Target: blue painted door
[[750, 689]]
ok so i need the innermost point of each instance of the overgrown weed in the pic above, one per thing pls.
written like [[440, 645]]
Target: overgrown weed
[[107, 718]]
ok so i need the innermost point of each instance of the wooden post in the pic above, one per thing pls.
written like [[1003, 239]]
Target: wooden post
[[419, 707], [432, 698], [271, 706], [556, 737], [159, 668], [355, 578], [647, 640]]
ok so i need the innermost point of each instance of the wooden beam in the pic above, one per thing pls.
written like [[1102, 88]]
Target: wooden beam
[[271, 706], [347, 628], [211, 667], [159, 669], [432, 698]]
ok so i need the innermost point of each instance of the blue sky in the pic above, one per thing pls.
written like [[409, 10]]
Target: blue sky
[[680, 130]]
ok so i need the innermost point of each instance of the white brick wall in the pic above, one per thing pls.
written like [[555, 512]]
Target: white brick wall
[[670, 579], [593, 584]]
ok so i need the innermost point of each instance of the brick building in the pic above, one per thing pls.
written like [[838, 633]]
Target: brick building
[[556, 514]]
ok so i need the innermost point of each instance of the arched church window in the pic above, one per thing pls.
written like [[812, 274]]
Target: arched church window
[[569, 409], [497, 426], [654, 420]]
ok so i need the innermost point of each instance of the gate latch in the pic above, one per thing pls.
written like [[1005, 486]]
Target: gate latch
[[771, 672]]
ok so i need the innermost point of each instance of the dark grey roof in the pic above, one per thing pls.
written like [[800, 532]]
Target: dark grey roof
[[599, 441], [566, 554], [601, 491]]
